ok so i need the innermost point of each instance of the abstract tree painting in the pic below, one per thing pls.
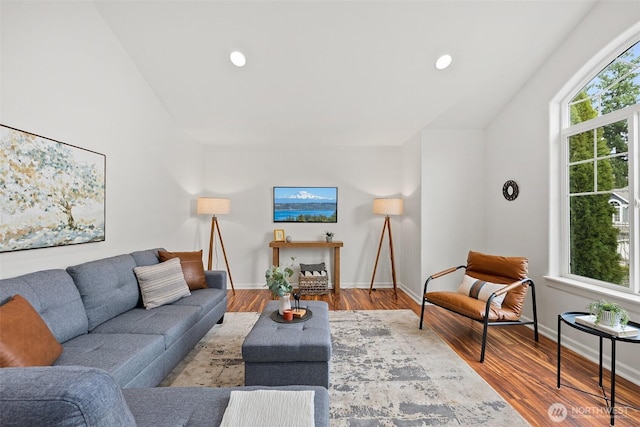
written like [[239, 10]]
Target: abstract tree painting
[[51, 193]]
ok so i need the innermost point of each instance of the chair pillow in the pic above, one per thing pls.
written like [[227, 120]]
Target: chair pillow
[[26, 340], [481, 290], [192, 267], [162, 283]]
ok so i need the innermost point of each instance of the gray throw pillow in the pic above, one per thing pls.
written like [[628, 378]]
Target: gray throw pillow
[[162, 283], [313, 267]]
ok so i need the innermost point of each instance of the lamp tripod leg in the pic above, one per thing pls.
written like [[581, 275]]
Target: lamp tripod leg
[[213, 222], [375, 267], [393, 263], [217, 226]]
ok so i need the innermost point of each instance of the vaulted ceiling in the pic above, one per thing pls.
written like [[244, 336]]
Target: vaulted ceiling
[[336, 72]]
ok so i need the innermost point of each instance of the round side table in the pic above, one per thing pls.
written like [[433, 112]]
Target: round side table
[[569, 318]]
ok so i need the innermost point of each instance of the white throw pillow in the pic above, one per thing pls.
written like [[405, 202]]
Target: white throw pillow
[[162, 283], [481, 290]]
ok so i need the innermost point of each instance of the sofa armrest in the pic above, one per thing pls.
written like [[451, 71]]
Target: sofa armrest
[[61, 395], [216, 279]]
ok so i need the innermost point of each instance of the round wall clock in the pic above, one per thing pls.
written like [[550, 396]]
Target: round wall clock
[[510, 190]]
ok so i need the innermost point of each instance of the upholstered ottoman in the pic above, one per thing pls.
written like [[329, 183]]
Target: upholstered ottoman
[[278, 354]]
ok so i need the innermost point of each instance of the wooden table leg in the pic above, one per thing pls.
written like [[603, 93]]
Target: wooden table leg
[[336, 270], [276, 256]]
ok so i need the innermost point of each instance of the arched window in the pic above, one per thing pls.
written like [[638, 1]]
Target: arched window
[[600, 174]]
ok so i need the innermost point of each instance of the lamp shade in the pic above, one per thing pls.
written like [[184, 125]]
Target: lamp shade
[[388, 206], [212, 206]]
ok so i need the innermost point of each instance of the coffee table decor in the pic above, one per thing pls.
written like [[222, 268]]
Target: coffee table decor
[[305, 315]]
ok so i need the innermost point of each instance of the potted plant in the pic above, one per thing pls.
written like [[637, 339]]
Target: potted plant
[[279, 285], [610, 313], [328, 235]]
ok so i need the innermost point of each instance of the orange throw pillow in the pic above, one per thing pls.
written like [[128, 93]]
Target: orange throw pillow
[[25, 339], [192, 267]]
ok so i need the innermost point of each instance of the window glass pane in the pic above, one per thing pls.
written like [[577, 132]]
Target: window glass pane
[[616, 136], [605, 175], [581, 146], [615, 87], [581, 178], [610, 144], [595, 250]]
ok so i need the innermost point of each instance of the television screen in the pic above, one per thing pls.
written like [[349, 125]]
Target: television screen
[[305, 204]]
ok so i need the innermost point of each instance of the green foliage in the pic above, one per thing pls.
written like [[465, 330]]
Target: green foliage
[[277, 279], [593, 238], [597, 307], [618, 90]]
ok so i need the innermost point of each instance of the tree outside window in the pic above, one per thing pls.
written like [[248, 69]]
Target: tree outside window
[[599, 171]]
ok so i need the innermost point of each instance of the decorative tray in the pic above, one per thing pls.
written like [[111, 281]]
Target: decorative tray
[[276, 317]]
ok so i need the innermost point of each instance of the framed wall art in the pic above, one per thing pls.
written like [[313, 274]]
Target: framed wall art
[[51, 193], [305, 204]]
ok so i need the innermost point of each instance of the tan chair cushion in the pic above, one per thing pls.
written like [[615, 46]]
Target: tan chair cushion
[[25, 339], [192, 267], [501, 269], [497, 269], [470, 307]]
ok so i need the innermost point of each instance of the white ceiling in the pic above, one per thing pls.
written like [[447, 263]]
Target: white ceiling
[[336, 72]]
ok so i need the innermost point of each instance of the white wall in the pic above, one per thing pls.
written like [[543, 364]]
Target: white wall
[[410, 274], [65, 76], [520, 144], [247, 176], [453, 201]]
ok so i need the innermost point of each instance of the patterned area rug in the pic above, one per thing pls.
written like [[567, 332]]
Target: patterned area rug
[[384, 372]]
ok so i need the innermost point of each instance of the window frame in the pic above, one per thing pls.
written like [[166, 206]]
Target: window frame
[[632, 115]]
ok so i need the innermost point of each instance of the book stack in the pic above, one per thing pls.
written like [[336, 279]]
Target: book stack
[[618, 331]]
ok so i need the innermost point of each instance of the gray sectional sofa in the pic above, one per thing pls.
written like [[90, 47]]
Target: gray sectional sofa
[[115, 349]]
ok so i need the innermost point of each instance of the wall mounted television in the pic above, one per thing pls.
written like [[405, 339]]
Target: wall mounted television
[[305, 204]]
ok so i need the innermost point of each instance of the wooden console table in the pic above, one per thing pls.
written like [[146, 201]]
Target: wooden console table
[[317, 244]]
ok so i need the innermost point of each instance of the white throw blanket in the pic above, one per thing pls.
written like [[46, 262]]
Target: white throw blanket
[[266, 408]]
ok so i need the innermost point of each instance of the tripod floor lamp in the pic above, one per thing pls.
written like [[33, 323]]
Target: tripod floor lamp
[[387, 207], [211, 206]]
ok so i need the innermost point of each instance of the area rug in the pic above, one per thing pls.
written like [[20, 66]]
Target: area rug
[[384, 372]]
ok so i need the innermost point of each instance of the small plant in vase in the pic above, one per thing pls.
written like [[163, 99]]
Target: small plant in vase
[[278, 283], [328, 235], [609, 313]]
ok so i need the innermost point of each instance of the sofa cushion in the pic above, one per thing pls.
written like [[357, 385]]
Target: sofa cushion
[[481, 290], [169, 321], [61, 396], [122, 355], [192, 267], [204, 299], [162, 283], [25, 340], [146, 257], [54, 296], [200, 406], [107, 286]]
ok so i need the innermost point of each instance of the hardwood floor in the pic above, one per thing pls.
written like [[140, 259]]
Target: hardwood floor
[[522, 371]]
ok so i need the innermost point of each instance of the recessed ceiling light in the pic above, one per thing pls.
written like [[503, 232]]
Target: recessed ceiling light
[[443, 62], [238, 59]]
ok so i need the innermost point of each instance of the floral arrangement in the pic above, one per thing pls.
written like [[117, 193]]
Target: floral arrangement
[[329, 233]]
